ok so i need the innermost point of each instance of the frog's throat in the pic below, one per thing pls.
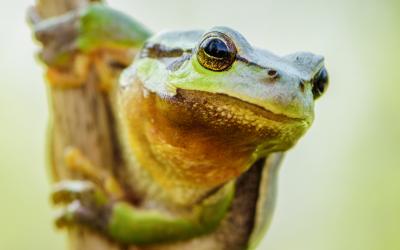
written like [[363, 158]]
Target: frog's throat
[[192, 139]]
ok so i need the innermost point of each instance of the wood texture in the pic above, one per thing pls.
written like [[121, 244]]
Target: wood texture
[[80, 117]]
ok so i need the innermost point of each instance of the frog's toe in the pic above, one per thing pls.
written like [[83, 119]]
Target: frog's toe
[[77, 213], [69, 191], [68, 215]]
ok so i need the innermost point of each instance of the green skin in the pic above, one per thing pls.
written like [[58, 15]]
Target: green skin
[[251, 79]]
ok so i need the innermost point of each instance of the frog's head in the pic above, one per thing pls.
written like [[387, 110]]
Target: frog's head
[[212, 94]]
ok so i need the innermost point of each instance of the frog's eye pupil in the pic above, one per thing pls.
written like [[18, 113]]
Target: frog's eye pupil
[[216, 52], [320, 83], [216, 48]]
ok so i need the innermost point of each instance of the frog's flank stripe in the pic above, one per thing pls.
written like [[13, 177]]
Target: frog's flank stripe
[[159, 51]]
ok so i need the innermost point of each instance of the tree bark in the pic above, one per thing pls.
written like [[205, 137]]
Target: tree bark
[[80, 117]]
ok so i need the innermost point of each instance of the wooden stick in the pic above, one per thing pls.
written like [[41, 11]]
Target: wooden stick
[[80, 117]]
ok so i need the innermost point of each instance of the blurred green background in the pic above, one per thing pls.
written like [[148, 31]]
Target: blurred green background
[[339, 187]]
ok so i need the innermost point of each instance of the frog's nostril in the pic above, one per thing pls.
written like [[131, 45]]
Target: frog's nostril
[[302, 86], [272, 73]]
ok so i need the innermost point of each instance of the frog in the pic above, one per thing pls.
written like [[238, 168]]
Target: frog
[[204, 120]]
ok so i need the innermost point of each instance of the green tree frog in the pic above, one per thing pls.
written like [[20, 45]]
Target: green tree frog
[[203, 118]]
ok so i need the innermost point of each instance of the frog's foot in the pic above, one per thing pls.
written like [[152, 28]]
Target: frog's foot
[[68, 67], [77, 162], [68, 191], [85, 204], [73, 76], [109, 63]]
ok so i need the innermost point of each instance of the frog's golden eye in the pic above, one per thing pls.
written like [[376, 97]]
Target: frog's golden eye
[[320, 83], [216, 52]]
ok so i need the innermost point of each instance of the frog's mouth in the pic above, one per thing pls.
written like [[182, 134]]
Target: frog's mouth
[[223, 106]]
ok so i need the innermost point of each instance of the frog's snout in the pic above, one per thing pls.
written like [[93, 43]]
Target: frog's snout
[[312, 69]]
